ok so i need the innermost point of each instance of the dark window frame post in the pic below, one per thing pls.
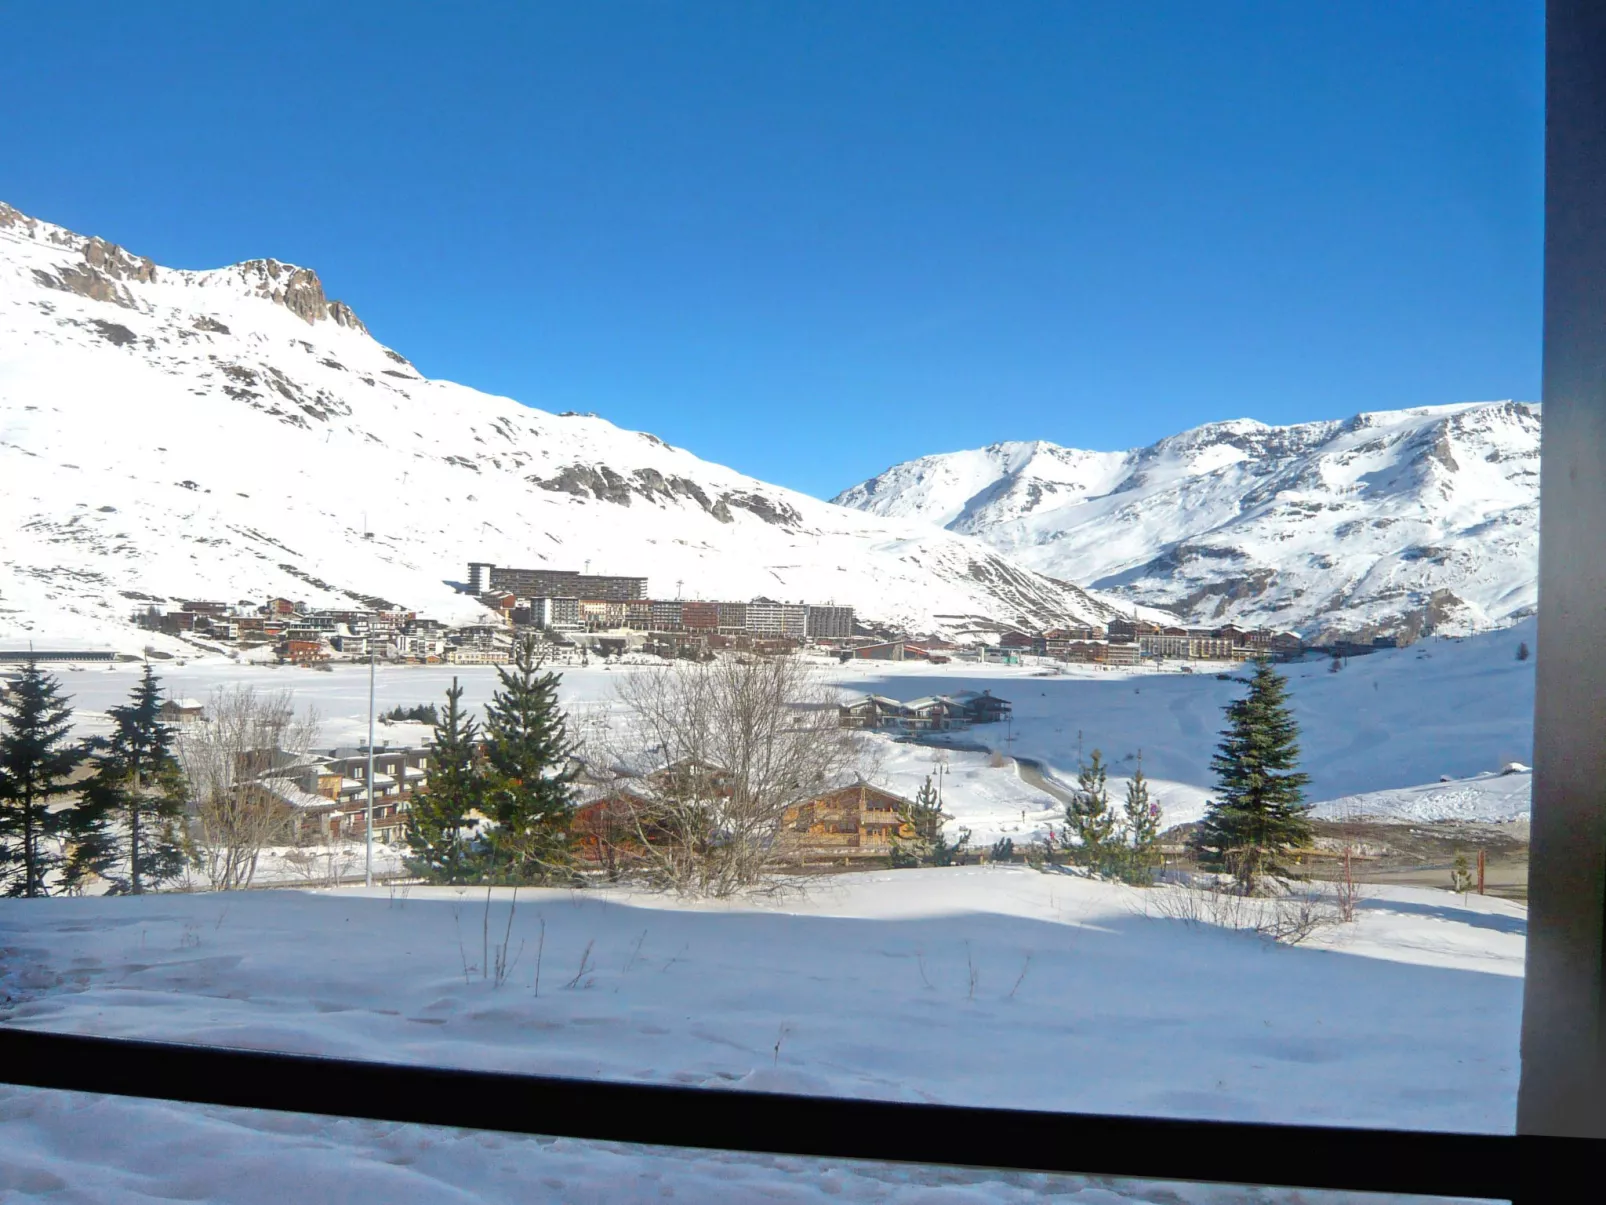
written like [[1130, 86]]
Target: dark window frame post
[[1563, 1088]]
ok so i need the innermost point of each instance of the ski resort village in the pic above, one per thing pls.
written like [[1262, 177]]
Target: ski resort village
[[571, 613], [1188, 781]]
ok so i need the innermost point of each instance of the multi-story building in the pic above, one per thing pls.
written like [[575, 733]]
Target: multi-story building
[[1283, 646], [422, 646], [556, 614], [1124, 631], [600, 615], [698, 616], [666, 615], [470, 655], [638, 615], [1216, 648], [484, 577], [732, 617], [1165, 644], [1116, 653], [829, 622], [303, 651], [765, 617]]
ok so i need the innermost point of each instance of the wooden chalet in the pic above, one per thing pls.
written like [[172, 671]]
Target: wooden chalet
[[614, 811], [846, 823]]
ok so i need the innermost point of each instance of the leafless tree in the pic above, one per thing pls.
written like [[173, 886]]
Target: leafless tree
[[246, 739], [713, 754]]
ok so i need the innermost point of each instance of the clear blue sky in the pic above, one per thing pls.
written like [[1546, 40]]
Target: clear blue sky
[[813, 239]]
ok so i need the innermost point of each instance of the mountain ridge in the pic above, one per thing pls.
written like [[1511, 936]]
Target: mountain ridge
[[229, 433], [1389, 522]]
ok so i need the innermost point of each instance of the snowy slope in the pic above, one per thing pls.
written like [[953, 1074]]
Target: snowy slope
[[231, 434], [1402, 521]]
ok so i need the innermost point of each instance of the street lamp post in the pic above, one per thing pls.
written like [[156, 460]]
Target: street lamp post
[[368, 828]]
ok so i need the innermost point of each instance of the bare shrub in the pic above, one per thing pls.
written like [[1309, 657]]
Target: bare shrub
[[247, 739], [712, 754], [1282, 911]]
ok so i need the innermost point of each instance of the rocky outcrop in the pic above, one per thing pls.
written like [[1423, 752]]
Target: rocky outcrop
[[297, 289], [606, 485], [108, 259]]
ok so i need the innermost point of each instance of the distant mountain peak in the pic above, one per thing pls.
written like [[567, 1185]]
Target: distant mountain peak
[[1422, 519]]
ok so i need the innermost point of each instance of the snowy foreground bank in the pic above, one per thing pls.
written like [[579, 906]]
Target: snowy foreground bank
[[976, 986]]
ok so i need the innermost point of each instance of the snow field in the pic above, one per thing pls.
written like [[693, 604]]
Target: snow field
[[864, 980], [973, 985]]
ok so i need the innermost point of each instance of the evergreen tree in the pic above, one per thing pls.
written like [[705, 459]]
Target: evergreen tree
[[1141, 828], [923, 816], [129, 826], [948, 853], [1259, 813], [528, 769], [1090, 820], [929, 846], [439, 814], [36, 756]]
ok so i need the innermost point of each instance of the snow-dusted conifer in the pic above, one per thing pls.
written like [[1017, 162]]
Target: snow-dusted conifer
[[1259, 813], [36, 757], [1089, 818], [529, 769], [1141, 828], [439, 828], [129, 825], [929, 846]]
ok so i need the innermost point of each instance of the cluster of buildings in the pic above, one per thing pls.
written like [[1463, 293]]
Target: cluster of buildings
[[608, 613], [562, 601], [840, 824], [1121, 642], [1135, 641], [325, 792], [614, 614], [325, 796], [928, 713], [303, 634]]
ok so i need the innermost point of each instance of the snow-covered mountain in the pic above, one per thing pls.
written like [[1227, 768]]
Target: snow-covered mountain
[[231, 434], [1396, 521]]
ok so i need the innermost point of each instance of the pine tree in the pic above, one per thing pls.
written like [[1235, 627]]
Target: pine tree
[[36, 757], [129, 826], [529, 769], [1259, 813], [1141, 828], [923, 816], [1089, 819], [439, 814], [929, 846]]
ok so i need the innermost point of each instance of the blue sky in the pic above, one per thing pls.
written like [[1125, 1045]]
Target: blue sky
[[812, 239]]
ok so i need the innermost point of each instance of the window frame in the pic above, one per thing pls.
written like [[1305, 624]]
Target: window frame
[[1561, 1138]]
